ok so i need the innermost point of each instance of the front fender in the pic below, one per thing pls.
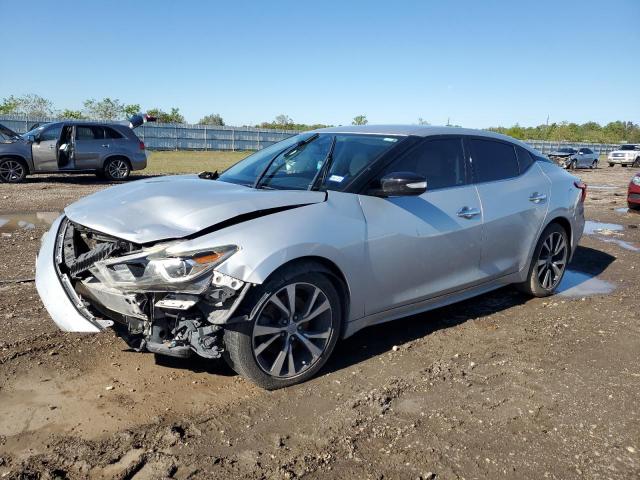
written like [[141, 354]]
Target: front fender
[[333, 230]]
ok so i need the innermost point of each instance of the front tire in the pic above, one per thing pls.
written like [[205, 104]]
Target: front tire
[[296, 325], [594, 165], [12, 170], [115, 169], [611, 164], [548, 263]]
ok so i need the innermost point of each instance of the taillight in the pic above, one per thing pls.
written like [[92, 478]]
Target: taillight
[[582, 186], [141, 145]]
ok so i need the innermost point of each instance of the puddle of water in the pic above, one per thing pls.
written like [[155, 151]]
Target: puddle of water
[[12, 222], [591, 227], [621, 243], [580, 284], [622, 210]]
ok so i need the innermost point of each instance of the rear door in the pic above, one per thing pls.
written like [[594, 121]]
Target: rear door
[[423, 246], [515, 196], [90, 146], [44, 150]]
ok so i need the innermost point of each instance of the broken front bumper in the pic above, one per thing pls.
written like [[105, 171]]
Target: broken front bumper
[[60, 300]]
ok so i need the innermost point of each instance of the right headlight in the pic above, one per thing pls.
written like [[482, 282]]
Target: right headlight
[[636, 180], [155, 271]]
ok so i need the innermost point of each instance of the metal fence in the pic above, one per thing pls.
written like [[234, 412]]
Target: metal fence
[[166, 136], [169, 136]]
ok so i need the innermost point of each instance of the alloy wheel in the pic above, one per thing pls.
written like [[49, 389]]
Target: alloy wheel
[[118, 169], [292, 330], [11, 171], [552, 261]]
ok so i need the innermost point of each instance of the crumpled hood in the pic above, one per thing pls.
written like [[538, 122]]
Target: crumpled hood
[[175, 207]]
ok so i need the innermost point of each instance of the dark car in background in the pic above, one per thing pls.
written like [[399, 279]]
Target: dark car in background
[[109, 150]]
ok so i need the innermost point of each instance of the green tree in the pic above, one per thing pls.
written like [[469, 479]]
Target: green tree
[[72, 114], [360, 120], [105, 109], [8, 105], [213, 119], [31, 105], [174, 116], [130, 110]]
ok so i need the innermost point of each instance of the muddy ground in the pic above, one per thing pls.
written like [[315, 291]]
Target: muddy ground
[[501, 386]]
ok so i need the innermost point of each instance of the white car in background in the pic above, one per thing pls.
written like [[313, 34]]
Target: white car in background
[[625, 155]]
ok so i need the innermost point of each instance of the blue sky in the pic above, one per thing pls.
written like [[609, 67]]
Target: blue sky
[[479, 63]]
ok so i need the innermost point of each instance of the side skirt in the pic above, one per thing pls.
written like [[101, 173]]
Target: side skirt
[[429, 304]]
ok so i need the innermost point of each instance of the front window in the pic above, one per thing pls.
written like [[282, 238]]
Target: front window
[[325, 161], [628, 147]]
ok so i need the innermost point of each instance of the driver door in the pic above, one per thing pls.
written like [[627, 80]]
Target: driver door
[[427, 245], [44, 149]]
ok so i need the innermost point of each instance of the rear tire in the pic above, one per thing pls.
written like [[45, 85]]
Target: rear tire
[[117, 168], [276, 348], [12, 170], [548, 264], [637, 162]]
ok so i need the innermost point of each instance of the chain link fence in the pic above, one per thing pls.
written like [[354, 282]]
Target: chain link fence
[[166, 136]]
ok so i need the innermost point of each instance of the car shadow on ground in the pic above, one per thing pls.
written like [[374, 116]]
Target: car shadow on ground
[[378, 339]]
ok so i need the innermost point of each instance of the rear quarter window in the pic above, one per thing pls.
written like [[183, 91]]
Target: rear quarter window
[[525, 159], [493, 160], [111, 133]]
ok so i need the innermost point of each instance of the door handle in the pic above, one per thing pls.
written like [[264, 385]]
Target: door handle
[[105, 145], [468, 213], [537, 197]]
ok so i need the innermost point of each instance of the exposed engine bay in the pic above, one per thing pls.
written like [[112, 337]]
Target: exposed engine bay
[[142, 294]]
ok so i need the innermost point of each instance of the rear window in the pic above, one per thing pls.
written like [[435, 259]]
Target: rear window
[[493, 160]]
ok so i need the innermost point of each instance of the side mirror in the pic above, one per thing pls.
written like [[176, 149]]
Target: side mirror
[[31, 138], [402, 184]]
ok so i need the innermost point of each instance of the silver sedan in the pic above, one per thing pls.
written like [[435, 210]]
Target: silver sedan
[[308, 241]]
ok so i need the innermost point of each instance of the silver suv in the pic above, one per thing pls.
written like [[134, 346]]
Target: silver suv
[[109, 150]]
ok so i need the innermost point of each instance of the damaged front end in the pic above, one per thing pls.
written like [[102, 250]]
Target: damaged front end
[[157, 302]]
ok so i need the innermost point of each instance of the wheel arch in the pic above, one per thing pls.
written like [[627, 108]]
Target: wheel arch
[[20, 158], [327, 267], [114, 156]]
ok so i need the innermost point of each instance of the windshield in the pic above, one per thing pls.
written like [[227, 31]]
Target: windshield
[[627, 147], [34, 132], [324, 161]]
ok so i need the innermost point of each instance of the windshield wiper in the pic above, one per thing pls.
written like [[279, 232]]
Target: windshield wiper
[[256, 184]]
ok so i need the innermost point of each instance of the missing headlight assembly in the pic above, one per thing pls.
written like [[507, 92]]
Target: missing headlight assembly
[[156, 302]]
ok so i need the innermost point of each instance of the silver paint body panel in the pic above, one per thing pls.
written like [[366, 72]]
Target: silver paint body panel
[[398, 256]]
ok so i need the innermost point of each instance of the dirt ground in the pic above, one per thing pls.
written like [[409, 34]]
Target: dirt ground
[[500, 386]]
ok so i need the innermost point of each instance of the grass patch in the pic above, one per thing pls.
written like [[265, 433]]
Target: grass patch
[[160, 162]]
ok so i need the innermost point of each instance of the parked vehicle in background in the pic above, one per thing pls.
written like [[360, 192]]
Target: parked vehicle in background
[[570, 158], [110, 150], [310, 240], [633, 195], [625, 155]]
